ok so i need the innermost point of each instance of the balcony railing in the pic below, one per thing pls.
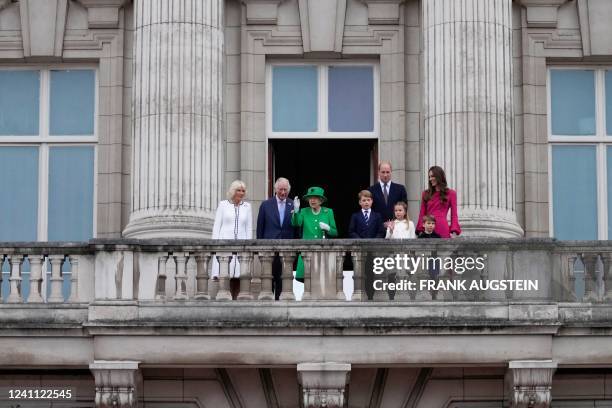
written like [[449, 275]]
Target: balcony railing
[[177, 271]]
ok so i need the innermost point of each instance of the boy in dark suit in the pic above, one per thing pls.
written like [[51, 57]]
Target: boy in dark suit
[[366, 223]]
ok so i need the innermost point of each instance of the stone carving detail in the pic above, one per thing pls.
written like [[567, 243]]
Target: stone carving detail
[[323, 384], [530, 383], [116, 383]]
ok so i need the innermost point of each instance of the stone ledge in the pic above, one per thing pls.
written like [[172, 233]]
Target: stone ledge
[[311, 318]]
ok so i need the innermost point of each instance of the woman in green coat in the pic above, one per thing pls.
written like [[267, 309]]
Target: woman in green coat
[[317, 222]]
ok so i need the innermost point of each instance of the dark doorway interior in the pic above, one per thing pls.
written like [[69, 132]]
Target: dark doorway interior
[[341, 167]]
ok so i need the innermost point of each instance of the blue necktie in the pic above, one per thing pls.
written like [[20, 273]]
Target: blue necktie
[[281, 211], [365, 216]]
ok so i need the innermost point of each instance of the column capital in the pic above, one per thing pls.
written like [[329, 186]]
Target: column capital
[[323, 384], [530, 383], [116, 383]]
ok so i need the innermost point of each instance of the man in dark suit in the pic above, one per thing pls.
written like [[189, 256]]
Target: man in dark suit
[[366, 223], [274, 222], [386, 193]]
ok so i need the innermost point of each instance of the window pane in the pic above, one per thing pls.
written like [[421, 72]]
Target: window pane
[[294, 99], [609, 168], [19, 99], [574, 192], [609, 102], [71, 193], [19, 201], [72, 102], [572, 99], [351, 99]]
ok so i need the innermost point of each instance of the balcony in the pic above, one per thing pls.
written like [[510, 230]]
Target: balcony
[[118, 291]]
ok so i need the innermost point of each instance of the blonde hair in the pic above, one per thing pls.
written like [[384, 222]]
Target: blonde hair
[[365, 193], [236, 184], [404, 206]]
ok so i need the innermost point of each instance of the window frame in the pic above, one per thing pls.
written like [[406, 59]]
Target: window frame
[[44, 141], [600, 140], [323, 132]]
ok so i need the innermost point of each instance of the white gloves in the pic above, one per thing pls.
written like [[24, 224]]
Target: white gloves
[[296, 204], [324, 226]]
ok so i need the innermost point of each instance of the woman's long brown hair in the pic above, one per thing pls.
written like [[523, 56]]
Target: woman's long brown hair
[[440, 176]]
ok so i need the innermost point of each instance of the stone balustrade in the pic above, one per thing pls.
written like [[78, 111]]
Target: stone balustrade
[[46, 273], [175, 271]]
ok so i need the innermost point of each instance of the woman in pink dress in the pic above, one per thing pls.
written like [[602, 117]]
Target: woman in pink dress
[[437, 200]]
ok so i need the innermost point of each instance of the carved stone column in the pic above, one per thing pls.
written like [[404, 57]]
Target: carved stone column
[[116, 383], [468, 109], [177, 118], [529, 383], [323, 384]]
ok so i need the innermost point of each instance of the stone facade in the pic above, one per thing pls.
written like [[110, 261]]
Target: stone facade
[[182, 111]]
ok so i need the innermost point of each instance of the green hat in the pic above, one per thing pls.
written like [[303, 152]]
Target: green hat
[[315, 192]]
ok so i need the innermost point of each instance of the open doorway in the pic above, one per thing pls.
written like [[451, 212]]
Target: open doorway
[[342, 167]]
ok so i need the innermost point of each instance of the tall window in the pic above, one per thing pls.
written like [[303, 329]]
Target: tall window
[[47, 158], [580, 135], [322, 100]]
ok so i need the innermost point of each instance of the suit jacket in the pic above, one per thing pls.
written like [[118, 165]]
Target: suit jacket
[[373, 229], [397, 192], [268, 221]]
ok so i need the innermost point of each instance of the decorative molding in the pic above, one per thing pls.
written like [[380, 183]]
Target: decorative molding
[[530, 383], [325, 32], [542, 13], [383, 11], [323, 384], [116, 383], [261, 11], [103, 13], [594, 20], [43, 23]]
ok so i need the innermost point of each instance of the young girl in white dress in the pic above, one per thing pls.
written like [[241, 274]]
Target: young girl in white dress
[[401, 227], [233, 221]]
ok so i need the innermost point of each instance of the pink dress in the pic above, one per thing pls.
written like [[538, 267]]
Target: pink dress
[[439, 210]]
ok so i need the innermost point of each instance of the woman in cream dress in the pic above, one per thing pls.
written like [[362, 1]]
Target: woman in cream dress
[[233, 220]]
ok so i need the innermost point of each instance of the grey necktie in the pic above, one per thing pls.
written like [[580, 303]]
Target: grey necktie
[[386, 193]]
